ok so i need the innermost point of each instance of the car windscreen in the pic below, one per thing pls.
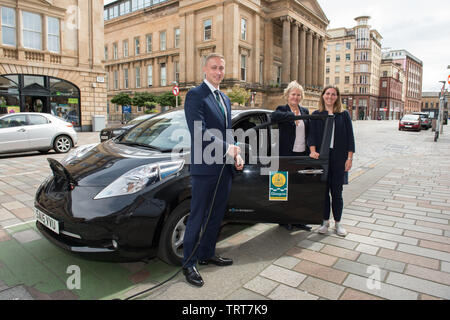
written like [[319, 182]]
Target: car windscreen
[[410, 117], [165, 132]]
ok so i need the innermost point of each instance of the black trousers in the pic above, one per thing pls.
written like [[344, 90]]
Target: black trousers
[[335, 203]]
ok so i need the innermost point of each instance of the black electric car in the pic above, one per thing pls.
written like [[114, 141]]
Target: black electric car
[[129, 198]]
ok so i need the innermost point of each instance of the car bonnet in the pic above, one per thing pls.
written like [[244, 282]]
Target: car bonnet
[[108, 161]]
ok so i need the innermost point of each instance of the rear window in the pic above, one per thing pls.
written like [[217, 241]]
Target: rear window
[[410, 117]]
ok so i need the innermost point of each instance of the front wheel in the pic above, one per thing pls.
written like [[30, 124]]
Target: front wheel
[[62, 144], [170, 248]]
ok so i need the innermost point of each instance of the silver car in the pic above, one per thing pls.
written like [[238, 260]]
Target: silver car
[[30, 131]]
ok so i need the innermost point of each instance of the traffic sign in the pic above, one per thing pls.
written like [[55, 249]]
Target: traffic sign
[[176, 90], [448, 79]]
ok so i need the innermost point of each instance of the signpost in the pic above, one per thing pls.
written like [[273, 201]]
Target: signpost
[[176, 92]]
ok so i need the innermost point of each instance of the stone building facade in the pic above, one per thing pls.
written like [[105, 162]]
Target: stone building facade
[[149, 45], [413, 69], [51, 55], [392, 91], [353, 61]]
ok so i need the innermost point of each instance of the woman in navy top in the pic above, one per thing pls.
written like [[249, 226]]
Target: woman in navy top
[[292, 132], [342, 147]]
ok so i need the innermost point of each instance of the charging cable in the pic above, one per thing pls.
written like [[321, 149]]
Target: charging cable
[[196, 245]]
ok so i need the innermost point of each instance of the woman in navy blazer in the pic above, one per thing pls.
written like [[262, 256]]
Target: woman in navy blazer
[[342, 147], [292, 132]]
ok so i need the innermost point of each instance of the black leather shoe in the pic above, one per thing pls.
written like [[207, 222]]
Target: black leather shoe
[[218, 261], [193, 276]]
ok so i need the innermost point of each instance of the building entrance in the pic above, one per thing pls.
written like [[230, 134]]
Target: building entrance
[[36, 104]]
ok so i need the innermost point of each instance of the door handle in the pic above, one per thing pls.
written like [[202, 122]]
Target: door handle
[[311, 171], [21, 130]]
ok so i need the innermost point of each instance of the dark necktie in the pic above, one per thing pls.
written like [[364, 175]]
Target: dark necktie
[[216, 93]]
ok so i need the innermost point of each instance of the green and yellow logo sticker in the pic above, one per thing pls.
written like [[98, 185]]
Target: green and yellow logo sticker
[[278, 186]]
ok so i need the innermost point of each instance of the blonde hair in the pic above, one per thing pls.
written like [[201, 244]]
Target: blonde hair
[[293, 85], [337, 108]]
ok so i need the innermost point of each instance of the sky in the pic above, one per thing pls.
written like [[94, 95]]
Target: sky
[[418, 26], [421, 27]]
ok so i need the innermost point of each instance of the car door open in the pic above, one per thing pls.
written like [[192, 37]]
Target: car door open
[[280, 189]]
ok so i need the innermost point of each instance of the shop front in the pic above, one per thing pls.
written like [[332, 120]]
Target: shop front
[[36, 93]]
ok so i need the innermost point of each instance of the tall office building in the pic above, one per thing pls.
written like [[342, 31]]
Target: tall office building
[[353, 59], [266, 43], [413, 69]]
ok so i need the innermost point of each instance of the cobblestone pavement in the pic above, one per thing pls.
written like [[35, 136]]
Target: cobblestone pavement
[[397, 209]]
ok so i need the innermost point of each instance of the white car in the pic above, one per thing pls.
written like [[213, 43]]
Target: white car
[[30, 131]]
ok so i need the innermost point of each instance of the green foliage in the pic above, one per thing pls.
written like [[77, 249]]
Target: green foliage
[[168, 99], [142, 99], [150, 106], [239, 95], [122, 99]]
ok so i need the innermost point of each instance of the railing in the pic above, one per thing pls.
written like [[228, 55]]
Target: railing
[[10, 53], [34, 56]]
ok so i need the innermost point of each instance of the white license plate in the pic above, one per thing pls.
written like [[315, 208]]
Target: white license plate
[[408, 126], [50, 223], [104, 137]]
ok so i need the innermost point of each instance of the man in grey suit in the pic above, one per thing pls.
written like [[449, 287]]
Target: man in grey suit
[[208, 111]]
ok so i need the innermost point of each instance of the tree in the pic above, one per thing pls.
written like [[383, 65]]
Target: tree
[[122, 99], [141, 99], [168, 99], [239, 95]]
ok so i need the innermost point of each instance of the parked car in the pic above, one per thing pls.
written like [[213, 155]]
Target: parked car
[[129, 198], [109, 133], [31, 131], [425, 120], [410, 122]]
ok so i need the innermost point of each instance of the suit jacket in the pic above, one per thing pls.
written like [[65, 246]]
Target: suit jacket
[[208, 128], [287, 129], [344, 141]]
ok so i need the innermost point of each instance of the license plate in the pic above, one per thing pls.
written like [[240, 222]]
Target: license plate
[[408, 126], [47, 221], [104, 137]]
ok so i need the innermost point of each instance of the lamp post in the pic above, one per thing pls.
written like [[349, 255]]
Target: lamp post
[[441, 107]]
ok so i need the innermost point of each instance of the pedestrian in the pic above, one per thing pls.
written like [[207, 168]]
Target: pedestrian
[[207, 108], [342, 148], [292, 132]]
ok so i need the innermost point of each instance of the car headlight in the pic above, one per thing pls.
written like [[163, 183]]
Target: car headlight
[[137, 178], [78, 153]]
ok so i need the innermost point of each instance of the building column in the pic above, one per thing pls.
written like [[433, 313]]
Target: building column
[[286, 52], [294, 51], [315, 60], [189, 54], [321, 62], [309, 56], [268, 51], [302, 56]]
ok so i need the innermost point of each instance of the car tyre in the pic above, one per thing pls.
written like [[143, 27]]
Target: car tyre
[[62, 144], [170, 248]]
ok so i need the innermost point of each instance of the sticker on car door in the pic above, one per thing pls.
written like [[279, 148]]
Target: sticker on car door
[[278, 186]]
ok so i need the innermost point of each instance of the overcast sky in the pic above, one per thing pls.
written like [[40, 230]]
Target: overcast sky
[[421, 27]]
